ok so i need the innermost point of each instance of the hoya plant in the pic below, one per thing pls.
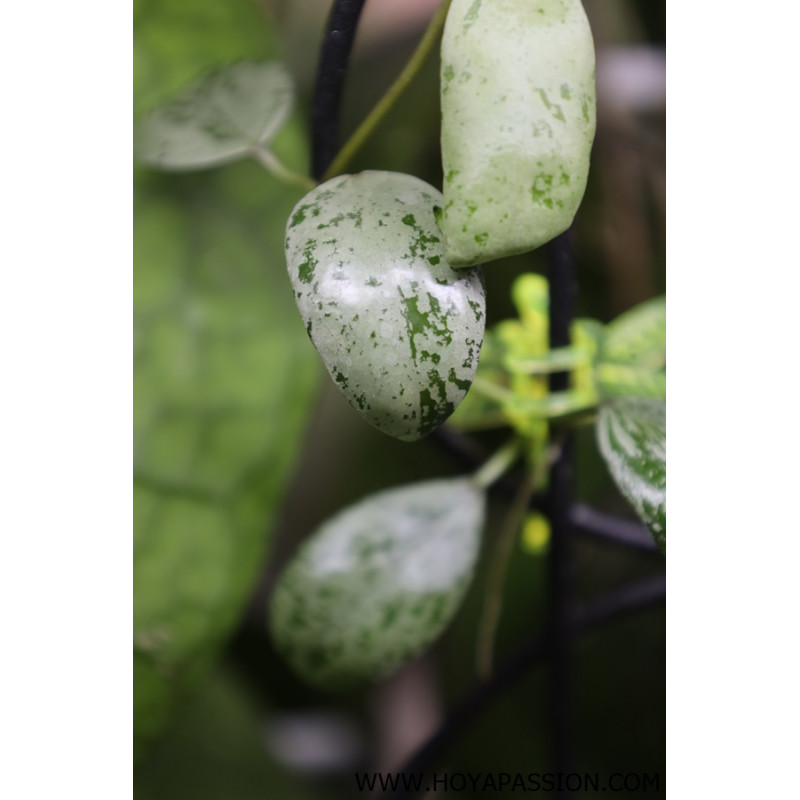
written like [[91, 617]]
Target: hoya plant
[[385, 274]]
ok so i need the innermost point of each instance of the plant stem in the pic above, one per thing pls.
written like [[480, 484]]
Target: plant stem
[[558, 360], [497, 464], [493, 598], [365, 130], [267, 159]]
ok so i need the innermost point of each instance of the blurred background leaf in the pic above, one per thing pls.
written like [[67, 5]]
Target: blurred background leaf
[[223, 372], [220, 118]]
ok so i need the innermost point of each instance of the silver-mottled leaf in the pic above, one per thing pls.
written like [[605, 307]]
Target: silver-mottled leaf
[[518, 121], [377, 583], [632, 435], [220, 118], [399, 330]]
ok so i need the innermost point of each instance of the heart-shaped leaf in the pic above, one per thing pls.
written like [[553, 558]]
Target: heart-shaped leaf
[[518, 121], [377, 583], [632, 435], [399, 330], [633, 356], [220, 118]]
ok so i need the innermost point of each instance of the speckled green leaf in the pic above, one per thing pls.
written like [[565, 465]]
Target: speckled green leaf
[[518, 121], [631, 433], [220, 118], [223, 380], [633, 358], [399, 330], [377, 583]]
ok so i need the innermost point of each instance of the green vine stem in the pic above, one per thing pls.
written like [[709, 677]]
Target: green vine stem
[[367, 127], [268, 159], [497, 465], [493, 598], [560, 359]]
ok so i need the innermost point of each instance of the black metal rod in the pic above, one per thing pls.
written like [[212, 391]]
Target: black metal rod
[[615, 605], [331, 72], [612, 529], [561, 279]]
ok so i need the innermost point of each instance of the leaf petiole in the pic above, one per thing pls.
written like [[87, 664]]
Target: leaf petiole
[[268, 160], [497, 465], [559, 359]]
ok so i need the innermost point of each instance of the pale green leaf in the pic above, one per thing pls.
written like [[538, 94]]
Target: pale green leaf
[[398, 329], [225, 116], [518, 121], [378, 583], [631, 433], [633, 356]]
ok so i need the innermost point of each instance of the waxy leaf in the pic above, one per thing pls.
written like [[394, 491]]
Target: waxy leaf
[[631, 433], [633, 357], [220, 118], [399, 330], [518, 121], [378, 582]]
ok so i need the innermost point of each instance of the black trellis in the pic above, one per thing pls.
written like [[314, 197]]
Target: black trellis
[[566, 516]]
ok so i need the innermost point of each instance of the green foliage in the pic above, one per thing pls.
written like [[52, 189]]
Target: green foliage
[[223, 376], [378, 582]]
